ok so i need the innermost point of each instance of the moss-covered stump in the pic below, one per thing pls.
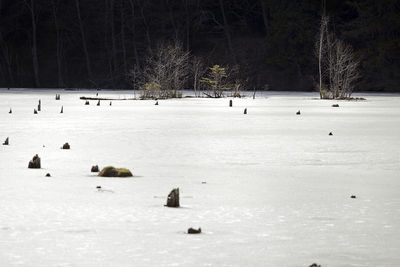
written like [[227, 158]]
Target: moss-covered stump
[[110, 171]]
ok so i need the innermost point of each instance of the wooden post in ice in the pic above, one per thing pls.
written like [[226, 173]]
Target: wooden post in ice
[[98, 103], [173, 198], [62, 109], [39, 107], [110, 103], [34, 163], [10, 111], [34, 111], [230, 103], [6, 142], [245, 111]]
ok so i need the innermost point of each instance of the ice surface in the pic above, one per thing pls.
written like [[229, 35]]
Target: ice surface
[[277, 189]]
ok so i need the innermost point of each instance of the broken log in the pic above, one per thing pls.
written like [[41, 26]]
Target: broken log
[[194, 231]]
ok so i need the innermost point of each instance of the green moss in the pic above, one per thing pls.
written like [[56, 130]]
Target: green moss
[[124, 172], [110, 171]]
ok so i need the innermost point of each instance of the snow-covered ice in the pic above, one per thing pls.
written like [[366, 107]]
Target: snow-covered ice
[[277, 189]]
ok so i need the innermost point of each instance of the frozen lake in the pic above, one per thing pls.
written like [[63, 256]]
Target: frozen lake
[[277, 189]]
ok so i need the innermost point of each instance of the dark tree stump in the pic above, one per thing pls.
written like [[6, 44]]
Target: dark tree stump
[[87, 102], [335, 105], [6, 142], [48, 175], [34, 111], [245, 111], [298, 112], [353, 196], [95, 168], [10, 111], [98, 103], [156, 103], [173, 198], [98, 187], [315, 265], [194, 231], [330, 133], [62, 109], [110, 103], [66, 146], [34, 163], [39, 106], [230, 103], [58, 97]]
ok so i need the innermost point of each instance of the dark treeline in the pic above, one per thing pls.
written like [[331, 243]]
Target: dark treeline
[[95, 43]]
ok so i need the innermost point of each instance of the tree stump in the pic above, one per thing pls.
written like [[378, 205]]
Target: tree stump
[[48, 175], [335, 105], [315, 265], [87, 102], [95, 168], [298, 112], [245, 111], [194, 231], [98, 103], [62, 109], [230, 103], [173, 198], [353, 196], [34, 163], [34, 111], [110, 103], [58, 97], [330, 133], [156, 103], [6, 142], [39, 106], [10, 111], [66, 146]]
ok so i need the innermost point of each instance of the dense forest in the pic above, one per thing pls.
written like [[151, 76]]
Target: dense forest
[[96, 43]]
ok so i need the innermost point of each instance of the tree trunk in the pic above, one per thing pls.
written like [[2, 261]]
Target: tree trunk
[[59, 48], [7, 57], [84, 44], [123, 41], [265, 16], [133, 33], [227, 31], [35, 60], [321, 38], [113, 42]]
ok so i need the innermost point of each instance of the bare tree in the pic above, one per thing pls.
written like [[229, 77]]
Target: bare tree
[[337, 64], [344, 69], [198, 70], [167, 67]]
